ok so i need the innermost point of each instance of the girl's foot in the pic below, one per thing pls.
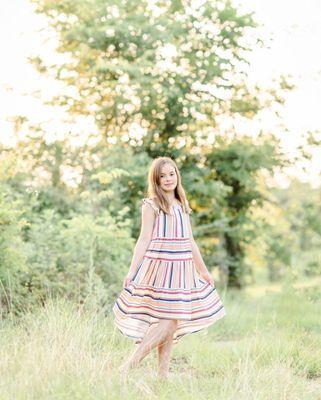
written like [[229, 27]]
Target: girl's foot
[[123, 371], [162, 375]]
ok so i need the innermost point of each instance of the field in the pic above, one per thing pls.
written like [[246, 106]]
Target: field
[[268, 347]]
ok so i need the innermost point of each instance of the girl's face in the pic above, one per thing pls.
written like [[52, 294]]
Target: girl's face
[[168, 178]]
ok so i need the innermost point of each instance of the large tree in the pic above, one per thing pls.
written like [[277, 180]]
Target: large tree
[[171, 67]]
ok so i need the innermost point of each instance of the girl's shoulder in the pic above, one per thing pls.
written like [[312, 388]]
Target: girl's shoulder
[[152, 203]]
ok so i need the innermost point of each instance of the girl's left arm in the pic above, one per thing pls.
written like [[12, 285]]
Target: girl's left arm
[[198, 259]]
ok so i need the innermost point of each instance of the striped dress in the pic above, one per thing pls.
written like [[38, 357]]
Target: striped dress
[[166, 284]]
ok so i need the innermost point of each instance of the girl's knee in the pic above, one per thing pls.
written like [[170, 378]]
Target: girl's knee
[[172, 325]]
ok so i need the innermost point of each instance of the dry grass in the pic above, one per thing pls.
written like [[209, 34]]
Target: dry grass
[[268, 347]]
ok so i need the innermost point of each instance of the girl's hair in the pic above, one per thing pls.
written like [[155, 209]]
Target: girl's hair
[[156, 193]]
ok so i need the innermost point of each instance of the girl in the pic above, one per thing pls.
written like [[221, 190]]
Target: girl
[[168, 291]]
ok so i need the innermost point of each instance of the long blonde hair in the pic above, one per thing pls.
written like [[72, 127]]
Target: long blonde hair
[[154, 190]]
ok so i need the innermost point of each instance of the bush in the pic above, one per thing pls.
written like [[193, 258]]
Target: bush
[[77, 258]]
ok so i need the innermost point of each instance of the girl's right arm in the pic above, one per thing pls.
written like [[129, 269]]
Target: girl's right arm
[[145, 236]]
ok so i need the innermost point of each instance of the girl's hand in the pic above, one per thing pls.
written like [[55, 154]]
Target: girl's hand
[[207, 277], [127, 279]]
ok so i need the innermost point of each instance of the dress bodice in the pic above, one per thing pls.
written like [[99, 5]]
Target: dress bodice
[[172, 225]]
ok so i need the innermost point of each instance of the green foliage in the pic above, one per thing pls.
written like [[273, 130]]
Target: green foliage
[[76, 258], [157, 81], [237, 165], [11, 226], [301, 205], [158, 78], [287, 243], [55, 242], [163, 66]]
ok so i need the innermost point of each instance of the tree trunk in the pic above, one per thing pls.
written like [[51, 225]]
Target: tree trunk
[[235, 255]]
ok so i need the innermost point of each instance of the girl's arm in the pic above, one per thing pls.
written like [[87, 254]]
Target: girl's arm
[[199, 262], [145, 236]]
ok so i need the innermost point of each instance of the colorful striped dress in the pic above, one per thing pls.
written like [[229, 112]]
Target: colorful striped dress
[[166, 284]]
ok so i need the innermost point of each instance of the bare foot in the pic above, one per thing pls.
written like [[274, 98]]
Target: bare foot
[[123, 371], [162, 376]]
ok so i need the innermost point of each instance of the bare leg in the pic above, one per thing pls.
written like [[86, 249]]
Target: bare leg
[[154, 336], [164, 354]]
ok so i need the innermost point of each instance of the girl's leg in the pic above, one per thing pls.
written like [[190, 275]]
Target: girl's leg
[[164, 351], [154, 336]]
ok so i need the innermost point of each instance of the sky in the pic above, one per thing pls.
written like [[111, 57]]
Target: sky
[[294, 24]]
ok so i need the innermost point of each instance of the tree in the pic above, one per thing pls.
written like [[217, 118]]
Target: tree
[[159, 77], [171, 69]]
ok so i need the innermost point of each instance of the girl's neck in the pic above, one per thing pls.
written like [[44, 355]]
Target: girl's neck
[[171, 198]]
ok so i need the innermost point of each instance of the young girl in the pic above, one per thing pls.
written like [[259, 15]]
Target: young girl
[[168, 291]]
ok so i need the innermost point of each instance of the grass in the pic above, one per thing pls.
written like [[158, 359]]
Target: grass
[[267, 347]]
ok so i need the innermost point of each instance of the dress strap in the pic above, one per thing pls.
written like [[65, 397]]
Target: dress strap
[[151, 203]]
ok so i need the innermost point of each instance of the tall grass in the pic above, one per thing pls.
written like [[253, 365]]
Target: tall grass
[[266, 347]]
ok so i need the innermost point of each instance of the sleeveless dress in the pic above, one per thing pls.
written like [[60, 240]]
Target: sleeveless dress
[[166, 284]]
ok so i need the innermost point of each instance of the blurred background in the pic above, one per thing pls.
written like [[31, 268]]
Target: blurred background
[[91, 91]]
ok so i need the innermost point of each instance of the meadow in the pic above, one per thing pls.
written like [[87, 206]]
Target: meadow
[[218, 87], [267, 347]]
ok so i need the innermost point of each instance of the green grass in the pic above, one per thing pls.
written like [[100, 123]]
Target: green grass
[[267, 347]]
